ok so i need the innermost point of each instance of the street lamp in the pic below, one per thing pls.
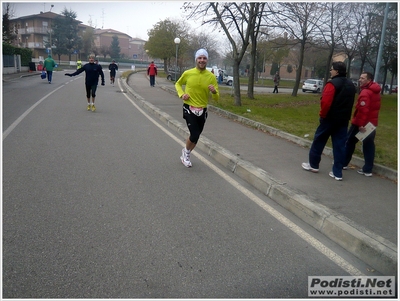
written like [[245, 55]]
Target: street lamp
[[177, 41], [50, 52]]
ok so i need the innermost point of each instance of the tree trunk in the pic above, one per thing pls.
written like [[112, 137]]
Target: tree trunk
[[299, 70], [236, 83], [329, 64], [252, 70]]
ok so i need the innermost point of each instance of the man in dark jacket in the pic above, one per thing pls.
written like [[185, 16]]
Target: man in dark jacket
[[277, 78], [113, 67], [93, 71], [336, 104], [367, 110]]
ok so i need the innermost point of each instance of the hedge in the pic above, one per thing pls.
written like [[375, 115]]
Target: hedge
[[26, 54]]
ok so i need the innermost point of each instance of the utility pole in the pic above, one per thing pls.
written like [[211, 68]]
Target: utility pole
[[381, 43], [51, 29]]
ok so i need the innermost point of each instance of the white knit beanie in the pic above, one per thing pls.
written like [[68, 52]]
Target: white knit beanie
[[201, 52]]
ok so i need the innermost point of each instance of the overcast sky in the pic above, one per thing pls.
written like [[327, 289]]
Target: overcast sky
[[134, 18]]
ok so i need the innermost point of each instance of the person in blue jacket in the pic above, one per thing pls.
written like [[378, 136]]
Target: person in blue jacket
[[93, 71]]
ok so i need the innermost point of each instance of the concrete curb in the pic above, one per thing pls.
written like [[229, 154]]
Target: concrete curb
[[373, 249]]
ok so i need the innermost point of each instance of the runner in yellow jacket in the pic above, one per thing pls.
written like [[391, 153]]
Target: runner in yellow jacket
[[198, 82]]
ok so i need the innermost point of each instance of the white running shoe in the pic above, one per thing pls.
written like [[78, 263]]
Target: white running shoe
[[185, 158], [333, 176], [307, 166], [367, 174]]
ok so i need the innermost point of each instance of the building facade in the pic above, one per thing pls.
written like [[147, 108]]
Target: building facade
[[34, 32], [104, 37]]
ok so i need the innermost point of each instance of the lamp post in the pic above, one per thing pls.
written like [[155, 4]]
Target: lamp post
[[378, 60], [177, 41], [50, 52]]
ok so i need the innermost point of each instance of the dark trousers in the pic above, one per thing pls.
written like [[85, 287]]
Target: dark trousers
[[49, 75], [368, 148], [90, 91], [338, 133], [152, 80], [275, 89], [195, 123]]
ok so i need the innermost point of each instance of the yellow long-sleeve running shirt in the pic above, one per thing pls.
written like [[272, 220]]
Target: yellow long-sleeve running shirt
[[196, 84]]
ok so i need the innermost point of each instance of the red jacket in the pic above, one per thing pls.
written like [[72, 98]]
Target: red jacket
[[152, 70], [368, 105], [328, 94]]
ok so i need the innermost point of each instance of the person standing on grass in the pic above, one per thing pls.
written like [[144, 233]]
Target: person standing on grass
[[336, 104], [93, 71], [198, 82], [49, 65], [366, 110], [277, 78]]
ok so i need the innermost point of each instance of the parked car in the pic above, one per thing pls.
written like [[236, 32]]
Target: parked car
[[171, 75], [227, 79], [313, 85], [394, 89]]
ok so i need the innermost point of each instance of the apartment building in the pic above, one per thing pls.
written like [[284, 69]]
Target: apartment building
[[33, 32]]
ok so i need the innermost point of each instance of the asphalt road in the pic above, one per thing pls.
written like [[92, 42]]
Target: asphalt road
[[98, 205]]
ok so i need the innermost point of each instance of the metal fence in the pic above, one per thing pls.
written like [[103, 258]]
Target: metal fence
[[8, 61]]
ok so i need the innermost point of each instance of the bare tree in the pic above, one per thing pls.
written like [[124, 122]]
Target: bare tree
[[300, 20], [197, 41], [254, 34], [236, 20], [350, 33], [333, 18]]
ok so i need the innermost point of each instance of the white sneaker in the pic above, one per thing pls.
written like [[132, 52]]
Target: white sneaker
[[333, 176], [367, 174], [307, 166], [185, 158]]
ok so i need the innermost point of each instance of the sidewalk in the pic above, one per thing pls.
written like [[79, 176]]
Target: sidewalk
[[13, 76], [358, 213]]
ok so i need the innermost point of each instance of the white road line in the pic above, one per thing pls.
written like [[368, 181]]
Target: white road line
[[320, 247], [16, 122], [20, 118]]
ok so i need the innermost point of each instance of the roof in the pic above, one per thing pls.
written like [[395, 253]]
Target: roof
[[102, 31], [47, 15]]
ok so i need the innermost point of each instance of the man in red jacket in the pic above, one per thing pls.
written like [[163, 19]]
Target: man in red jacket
[[152, 72], [367, 110], [337, 101]]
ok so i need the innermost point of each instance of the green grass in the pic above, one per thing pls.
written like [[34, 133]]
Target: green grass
[[300, 116]]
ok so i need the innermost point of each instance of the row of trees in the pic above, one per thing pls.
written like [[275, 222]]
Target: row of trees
[[274, 31]]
